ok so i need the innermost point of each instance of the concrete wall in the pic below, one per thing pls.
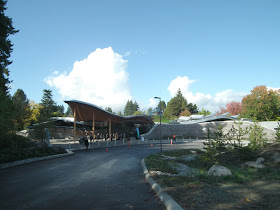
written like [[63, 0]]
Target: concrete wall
[[197, 130]]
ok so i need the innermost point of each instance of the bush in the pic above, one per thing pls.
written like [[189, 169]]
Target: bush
[[257, 136], [14, 147]]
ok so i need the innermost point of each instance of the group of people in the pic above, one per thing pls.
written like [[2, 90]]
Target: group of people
[[99, 136]]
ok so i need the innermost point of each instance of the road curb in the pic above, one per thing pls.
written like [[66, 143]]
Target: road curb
[[167, 200], [30, 160]]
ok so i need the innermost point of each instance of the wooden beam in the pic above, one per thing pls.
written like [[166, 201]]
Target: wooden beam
[[75, 130], [93, 125]]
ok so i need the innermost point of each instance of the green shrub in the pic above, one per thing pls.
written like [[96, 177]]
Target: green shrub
[[257, 136], [278, 133]]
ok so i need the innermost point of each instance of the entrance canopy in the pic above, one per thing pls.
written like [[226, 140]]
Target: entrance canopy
[[90, 112]]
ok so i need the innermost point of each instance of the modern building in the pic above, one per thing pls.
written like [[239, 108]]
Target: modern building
[[104, 122]]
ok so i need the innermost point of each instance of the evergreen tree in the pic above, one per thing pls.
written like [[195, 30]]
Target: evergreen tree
[[130, 107], [22, 110], [109, 109], [69, 112], [175, 106], [192, 108], [48, 106], [162, 105], [6, 106]]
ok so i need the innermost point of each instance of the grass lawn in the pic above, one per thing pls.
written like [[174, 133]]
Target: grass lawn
[[163, 119]]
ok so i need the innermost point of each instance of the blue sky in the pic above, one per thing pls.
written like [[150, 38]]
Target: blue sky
[[215, 51]]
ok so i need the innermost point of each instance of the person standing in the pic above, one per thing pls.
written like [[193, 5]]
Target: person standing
[[174, 137]]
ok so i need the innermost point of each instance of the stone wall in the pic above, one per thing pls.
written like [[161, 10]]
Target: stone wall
[[197, 130]]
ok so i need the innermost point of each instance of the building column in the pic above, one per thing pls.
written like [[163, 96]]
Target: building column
[[93, 126], [75, 130], [110, 128]]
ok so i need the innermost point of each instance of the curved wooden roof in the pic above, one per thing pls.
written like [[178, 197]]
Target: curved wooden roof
[[85, 112]]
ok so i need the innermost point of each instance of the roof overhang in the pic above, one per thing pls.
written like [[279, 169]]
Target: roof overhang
[[87, 112]]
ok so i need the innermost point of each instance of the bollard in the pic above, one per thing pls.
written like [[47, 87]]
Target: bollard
[[171, 142]]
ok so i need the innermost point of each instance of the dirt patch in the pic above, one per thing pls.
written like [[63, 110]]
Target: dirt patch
[[255, 195]]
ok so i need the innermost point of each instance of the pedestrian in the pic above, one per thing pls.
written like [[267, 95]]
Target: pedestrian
[[174, 137]]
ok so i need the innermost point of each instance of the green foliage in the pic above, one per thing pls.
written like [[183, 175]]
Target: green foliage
[[161, 105], [204, 112], [6, 115], [109, 109], [157, 119], [201, 166], [48, 106], [15, 147], [215, 144], [138, 113], [278, 132], [256, 136], [6, 106], [192, 108], [22, 109], [156, 163], [130, 107], [261, 104], [175, 106], [39, 130], [69, 112], [219, 144], [237, 134]]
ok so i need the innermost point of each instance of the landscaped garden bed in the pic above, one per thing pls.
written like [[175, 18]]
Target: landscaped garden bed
[[183, 174], [14, 148]]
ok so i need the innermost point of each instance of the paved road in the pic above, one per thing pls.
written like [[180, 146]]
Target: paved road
[[92, 179]]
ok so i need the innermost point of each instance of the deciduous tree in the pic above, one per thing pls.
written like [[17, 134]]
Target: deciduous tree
[[261, 104], [233, 107]]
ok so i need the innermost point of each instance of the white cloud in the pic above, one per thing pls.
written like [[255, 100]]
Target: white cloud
[[202, 100], [180, 82], [100, 79], [153, 102], [274, 89]]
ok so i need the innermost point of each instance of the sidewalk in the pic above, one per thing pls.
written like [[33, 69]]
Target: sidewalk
[[69, 143]]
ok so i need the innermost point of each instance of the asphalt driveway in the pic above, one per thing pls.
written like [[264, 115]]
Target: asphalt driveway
[[93, 179]]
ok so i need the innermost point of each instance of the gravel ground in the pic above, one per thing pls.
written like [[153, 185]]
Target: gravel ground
[[255, 195]]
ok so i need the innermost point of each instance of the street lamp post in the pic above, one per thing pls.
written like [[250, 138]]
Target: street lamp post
[[159, 122]]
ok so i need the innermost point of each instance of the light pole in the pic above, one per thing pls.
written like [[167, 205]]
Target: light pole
[[159, 122]]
